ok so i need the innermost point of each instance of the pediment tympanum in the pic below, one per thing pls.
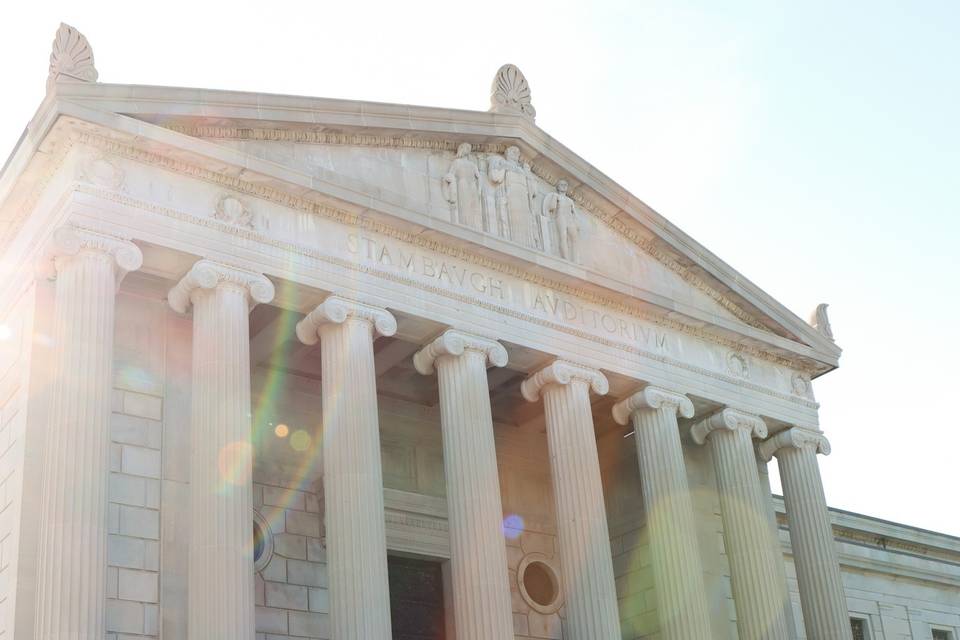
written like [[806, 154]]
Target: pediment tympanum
[[490, 188]]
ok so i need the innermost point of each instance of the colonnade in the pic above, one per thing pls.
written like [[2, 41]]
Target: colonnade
[[74, 497]]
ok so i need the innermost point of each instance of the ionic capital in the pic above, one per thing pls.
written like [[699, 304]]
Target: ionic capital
[[731, 420], [69, 241], [796, 438], [651, 397], [336, 310], [454, 343], [562, 372], [206, 274]]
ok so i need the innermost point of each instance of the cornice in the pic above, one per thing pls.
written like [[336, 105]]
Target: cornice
[[652, 398], [336, 310], [206, 274], [454, 343], [729, 420], [562, 372], [286, 199]]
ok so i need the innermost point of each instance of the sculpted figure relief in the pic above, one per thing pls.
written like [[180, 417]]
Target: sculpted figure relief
[[513, 197], [560, 207], [461, 188]]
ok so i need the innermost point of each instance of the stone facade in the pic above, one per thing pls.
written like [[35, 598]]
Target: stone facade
[[282, 343]]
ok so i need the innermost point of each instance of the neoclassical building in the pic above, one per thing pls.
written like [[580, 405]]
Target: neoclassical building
[[279, 367]]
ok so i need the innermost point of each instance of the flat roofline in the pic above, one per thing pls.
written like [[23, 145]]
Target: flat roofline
[[889, 522]]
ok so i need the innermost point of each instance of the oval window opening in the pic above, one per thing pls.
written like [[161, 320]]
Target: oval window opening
[[540, 583], [259, 542]]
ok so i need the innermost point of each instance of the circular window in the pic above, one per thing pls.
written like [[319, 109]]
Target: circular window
[[262, 542], [539, 584]]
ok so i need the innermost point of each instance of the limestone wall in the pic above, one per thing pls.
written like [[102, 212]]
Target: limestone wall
[[901, 581], [291, 590]]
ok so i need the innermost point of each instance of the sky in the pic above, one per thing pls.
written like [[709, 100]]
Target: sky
[[814, 146]]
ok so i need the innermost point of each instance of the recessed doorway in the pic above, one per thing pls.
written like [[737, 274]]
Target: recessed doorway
[[416, 599]]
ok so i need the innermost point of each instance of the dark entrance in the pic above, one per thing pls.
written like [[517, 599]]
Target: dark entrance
[[416, 599]]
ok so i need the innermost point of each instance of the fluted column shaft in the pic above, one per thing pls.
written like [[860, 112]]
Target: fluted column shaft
[[822, 597], [72, 563], [352, 473], [746, 532], [781, 567], [590, 591], [677, 568], [481, 589], [221, 453]]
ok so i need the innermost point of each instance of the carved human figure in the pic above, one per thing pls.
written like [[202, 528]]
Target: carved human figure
[[461, 188], [561, 208], [509, 175]]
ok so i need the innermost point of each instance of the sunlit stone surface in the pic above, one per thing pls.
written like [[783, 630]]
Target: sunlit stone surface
[[232, 404]]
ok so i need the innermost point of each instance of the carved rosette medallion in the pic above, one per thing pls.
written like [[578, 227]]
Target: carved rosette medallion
[[233, 210], [100, 170], [737, 365]]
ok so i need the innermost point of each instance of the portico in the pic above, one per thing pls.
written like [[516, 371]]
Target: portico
[[523, 407]]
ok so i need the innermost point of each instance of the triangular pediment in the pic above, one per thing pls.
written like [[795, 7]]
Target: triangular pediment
[[501, 195]]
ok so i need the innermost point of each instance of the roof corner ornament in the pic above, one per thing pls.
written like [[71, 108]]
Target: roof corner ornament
[[71, 58], [510, 92], [820, 321]]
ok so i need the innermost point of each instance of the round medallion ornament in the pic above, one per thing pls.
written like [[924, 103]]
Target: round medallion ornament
[[539, 583], [262, 542]]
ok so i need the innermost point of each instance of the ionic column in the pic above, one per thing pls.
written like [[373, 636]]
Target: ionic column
[[590, 592], [72, 550], [678, 572], [352, 475], [478, 560], [221, 454], [746, 533], [822, 597]]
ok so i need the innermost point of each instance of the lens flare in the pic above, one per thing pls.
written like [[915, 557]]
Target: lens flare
[[512, 526], [281, 430], [300, 440], [235, 463], [5, 332]]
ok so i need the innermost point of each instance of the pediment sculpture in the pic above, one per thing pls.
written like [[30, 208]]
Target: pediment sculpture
[[499, 195], [461, 188], [514, 197], [560, 208]]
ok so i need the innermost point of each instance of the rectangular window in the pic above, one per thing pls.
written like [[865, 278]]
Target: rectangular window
[[859, 628], [941, 634]]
